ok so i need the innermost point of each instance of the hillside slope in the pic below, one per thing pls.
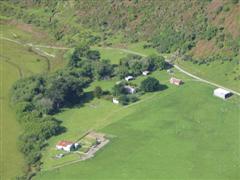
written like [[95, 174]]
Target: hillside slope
[[167, 25]]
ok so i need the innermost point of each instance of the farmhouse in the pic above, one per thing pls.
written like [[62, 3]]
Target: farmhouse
[[130, 89], [145, 73], [222, 93], [176, 81], [129, 78], [66, 145], [115, 101]]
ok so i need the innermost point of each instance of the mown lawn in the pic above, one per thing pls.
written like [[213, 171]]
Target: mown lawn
[[180, 133], [114, 55]]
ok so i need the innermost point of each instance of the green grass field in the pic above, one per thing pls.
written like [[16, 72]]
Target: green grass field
[[167, 135], [221, 73], [16, 61], [178, 133]]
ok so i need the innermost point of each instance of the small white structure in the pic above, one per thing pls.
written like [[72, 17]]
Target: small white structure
[[65, 145], [59, 156], [129, 78], [115, 101], [222, 93], [145, 73], [130, 89], [170, 71]]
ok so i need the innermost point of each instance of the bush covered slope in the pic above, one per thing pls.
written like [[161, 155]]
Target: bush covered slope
[[185, 25]]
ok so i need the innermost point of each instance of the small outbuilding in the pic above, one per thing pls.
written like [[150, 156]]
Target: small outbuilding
[[66, 145], [176, 81], [130, 89], [145, 73], [222, 93], [115, 101], [170, 71], [129, 78]]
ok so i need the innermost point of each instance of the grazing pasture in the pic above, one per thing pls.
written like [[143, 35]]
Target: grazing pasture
[[167, 134], [225, 73], [181, 132], [16, 61]]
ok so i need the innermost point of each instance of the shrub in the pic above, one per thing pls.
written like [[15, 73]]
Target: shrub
[[98, 92], [150, 84]]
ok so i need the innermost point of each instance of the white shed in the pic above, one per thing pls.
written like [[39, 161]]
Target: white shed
[[145, 73], [222, 93], [129, 78], [115, 101]]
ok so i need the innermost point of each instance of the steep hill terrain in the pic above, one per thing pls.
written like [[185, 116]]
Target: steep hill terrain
[[167, 25]]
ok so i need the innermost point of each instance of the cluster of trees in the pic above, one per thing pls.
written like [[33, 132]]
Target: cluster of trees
[[150, 85], [135, 65], [88, 63], [170, 40]]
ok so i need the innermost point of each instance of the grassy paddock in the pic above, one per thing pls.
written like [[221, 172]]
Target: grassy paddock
[[182, 132], [221, 73], [16, 61], [169, 135]]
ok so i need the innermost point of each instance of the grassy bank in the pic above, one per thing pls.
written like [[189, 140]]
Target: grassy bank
[[16, 61]]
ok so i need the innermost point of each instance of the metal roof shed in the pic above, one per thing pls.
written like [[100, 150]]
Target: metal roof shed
[[222, 93]]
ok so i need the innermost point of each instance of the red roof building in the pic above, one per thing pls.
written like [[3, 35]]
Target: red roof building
[[176, 81], [65, 145]]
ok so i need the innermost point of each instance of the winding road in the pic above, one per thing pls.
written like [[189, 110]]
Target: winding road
[[127, 51]]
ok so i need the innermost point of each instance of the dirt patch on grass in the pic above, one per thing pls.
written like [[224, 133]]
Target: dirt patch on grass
[[232, 23], [229, 19], [29, 29], [203, 48], [213, 6]]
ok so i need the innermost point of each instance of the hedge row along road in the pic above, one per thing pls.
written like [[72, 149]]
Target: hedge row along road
[[123, 50]]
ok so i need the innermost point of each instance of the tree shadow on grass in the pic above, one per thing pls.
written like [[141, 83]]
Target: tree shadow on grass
[[162, 87], [78, 102]]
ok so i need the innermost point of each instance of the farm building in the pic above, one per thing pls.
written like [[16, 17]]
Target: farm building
[[130, 89], [170, 71], [129, 78], [145, 73], [176, 81], [67, 145], [222, 93], [115, 101]]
